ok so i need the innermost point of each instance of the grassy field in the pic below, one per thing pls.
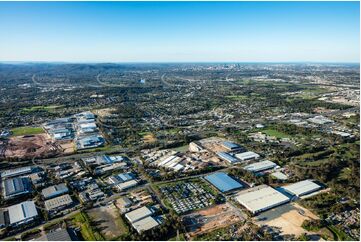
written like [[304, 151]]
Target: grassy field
[[49, 108], [82, 220], [339, 234], [275, 133], [26, 131]]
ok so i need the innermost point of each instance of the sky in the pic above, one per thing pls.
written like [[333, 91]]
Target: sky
[[180, 31]]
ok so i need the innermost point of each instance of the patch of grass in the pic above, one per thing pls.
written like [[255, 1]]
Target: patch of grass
[[26, 131], [275, 133], [181, 148], [339, 234], [82, 220], [49, 108]]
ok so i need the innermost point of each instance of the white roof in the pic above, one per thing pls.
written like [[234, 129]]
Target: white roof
[[260, 166], [127, 184], [22, 211], [16, 171], [279, 175], [302, 187], [145, 224], [138, 214], [247, 155], [58, 202], [261, 198]]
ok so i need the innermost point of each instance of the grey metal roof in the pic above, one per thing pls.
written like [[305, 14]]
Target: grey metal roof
[[17, 185], [138, 214], [22, 211], [145, 224], [302, 188], [16, 172], [260, 166], [54, 190], [57, 235], [57, 202], [261, 198]]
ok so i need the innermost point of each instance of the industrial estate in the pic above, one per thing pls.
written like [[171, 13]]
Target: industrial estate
[[179, 152]]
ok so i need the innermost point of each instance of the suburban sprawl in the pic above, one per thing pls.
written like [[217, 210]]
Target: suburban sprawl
[[235, 151]]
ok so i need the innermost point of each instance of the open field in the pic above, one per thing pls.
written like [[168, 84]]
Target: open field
[[26, 131], [49, 108], [212, 218], [108, 221], [82, 221], [38, 145], [287, 219], [275, 133]]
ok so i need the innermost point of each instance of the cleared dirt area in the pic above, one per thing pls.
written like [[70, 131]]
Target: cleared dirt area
[[68, 147], [286, 219], [213, 144], [108, 221], [28, 146], [209, 219]]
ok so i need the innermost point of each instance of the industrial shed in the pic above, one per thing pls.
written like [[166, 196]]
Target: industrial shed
[[223, 182], [302, 188], [145, 224], [15, 187], [260, 166], [22, 213], [138, 214], [54, 191], [261, 198], [249, 155]]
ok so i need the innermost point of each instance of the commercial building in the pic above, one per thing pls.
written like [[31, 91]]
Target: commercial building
[[54, 191], [302, 188], [15, 187], [230, 146], [246, 156], [145, 224], [261, 198], [56, 204], [260, 166], [138, 214], [17, 172], [120, 178], [223, 182], [57, 235], [279, 175], [228, 157], [22, 213], [320, 120], [125, 185]]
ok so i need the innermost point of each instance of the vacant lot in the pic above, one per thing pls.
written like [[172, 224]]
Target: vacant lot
[[26, 131], [108, 221], [287, 219], [207, 220], [275, 133], [38, 145]]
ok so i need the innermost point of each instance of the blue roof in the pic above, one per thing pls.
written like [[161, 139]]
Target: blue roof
[[223, 182], [227, 157], [230, 145]]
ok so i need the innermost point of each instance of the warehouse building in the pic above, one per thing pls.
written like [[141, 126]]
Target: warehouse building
[[17, 172], [54, 191], [138, 214], [261, 166], [121, 177], [228, 157], [57, 204], [302, 188], [145, 224], [261, 198], [22, 213], [57, 235], [125, 185], [246, 156], [223, 182], [15, 187], [230, 146]]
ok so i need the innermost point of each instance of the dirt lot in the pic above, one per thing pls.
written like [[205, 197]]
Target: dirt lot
[[107, 219], [213, 144], [287, 219], [38, 145], [209, 219], [68, 147]]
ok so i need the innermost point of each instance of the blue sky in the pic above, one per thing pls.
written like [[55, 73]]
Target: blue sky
[[180, 31]]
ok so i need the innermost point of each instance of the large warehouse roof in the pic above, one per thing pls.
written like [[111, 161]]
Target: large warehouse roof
[[260, 166], [302, 188], [16, 186], [249, 155], [261, 198], [223, 182], [22, 212], [54, 191], [138, 214], [145, 224], [16, 172], [226, 156], [58, 202]]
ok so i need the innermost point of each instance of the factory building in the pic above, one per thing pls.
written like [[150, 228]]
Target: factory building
[[57, 204], [22, 213], [223, 182], [228, 157], [145, 224], [141, 219], [302, 188], [17, 172], [261, 166], [246, 156], [138, 214], [54, 191], [15, 187], [261, 198], [230, 146]]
